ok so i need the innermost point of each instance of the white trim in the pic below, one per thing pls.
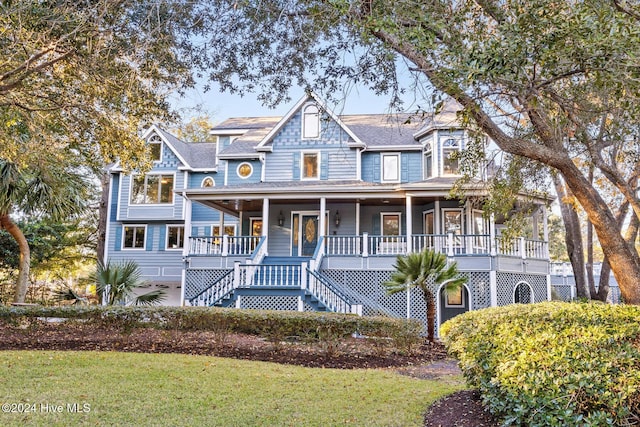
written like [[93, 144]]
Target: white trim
[[303, 123], [515, 288], [462, 224], [250, 172], [252, 220], [166, 237], [424, 221], [285, 119], [144, 243], [318, 165], [441, 149], [206, 178], [439, 305], [383, 214], [399, 167], [159, 140], [121, 202], [424, 156]]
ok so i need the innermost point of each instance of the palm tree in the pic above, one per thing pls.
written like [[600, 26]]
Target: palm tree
[[116, 283], [416, 270], [47, 186]]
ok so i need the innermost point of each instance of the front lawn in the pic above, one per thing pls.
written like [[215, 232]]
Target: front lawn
[[108, 388]]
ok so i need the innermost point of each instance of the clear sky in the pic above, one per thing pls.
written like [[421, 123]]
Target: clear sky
[[221, 106]]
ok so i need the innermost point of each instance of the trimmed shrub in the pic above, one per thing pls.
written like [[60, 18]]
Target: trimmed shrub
[[552, 364], [273, 325]]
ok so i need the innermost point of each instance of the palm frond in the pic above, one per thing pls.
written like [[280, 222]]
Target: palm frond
[[150, 298]]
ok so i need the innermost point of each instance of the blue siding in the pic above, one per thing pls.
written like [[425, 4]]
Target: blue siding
[[117, 242], [337, 160], [203, 213], [234, 179], [195, 179]]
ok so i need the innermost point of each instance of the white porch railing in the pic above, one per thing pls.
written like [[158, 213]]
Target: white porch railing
[[268, 275], [215, 293], [223, 245], [450, 244]]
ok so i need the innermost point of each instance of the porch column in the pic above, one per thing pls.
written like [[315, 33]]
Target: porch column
[[409, 215], [185, 247], [265, 217], [322, 222], [492, 234], [357, 217], [222, 233]]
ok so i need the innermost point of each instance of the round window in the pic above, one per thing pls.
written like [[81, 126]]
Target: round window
[[245, 170]]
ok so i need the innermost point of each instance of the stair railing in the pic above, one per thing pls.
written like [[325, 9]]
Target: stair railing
[[215, 292], [332, 297]]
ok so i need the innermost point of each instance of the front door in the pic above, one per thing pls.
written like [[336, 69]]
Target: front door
[[308, 234]]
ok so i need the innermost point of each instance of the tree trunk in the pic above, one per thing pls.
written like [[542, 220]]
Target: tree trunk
[[624, 261], [573, 238], [25, 257], [103, 210], [431, 314]]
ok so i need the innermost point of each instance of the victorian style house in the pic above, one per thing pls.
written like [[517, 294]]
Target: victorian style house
[[308, 212]]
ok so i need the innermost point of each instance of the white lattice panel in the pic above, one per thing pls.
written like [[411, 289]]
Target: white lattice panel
[[197, 280], [563, 292], [507, 282], [269, 302]]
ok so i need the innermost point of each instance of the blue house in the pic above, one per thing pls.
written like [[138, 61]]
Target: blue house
[[308, 212]]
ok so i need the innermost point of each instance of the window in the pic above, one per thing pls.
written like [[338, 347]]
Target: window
[[390, 224], [450, 152], [134, 237], [229, 230], [429, 223], [455, 297], [155, 147], [311, 122], [245, 170], [152, 189], [452, 221], [175, 237], [208, 182], [310, 165], [390, 167], [428, 162]]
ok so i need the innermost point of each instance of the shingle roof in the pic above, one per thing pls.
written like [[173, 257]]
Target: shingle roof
[[383, 130], [198, 155]]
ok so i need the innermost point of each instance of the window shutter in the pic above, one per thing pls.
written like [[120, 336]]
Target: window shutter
[[162, 238], [324, 166], [149, 239], [376, 169], [296, 166], [118, 239]]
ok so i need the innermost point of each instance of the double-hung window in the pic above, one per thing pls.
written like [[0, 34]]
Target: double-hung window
[[175, 237], [134, 236], [310, 165], [390, 167]]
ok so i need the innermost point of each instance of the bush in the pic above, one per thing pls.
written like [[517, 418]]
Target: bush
[[552, 363], [273, 325]]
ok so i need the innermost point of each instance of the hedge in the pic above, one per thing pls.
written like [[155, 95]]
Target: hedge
[[552, 364], [269, 324]]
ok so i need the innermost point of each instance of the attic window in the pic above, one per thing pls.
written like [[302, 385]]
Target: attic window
[[155, 148], [311, 122], [208, 182]]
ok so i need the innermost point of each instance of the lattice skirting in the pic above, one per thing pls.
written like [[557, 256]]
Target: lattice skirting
[[270, 302], [199, 279], [522, 288], [563, 292]]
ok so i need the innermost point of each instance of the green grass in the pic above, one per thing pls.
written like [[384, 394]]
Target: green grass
[[169, 389]]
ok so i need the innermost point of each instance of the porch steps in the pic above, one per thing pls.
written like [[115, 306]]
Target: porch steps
[[229, 300]]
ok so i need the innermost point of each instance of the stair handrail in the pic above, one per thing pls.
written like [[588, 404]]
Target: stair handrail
[[341, 301], [217, 291], [259, 252], [318, 254]]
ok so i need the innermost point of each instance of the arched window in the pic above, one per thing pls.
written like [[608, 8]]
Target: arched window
[[208, 182], [155, 145], [310, 122], [523, 293]]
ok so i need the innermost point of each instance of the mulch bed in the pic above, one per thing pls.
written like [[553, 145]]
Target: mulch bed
[[461, 409]]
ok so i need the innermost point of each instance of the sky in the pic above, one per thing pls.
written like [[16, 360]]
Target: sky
[[221, 106]]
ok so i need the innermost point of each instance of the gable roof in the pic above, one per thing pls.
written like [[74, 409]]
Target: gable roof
[[446, 118], [384, 131], [251, 131], [263, 146], [193, 155]]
